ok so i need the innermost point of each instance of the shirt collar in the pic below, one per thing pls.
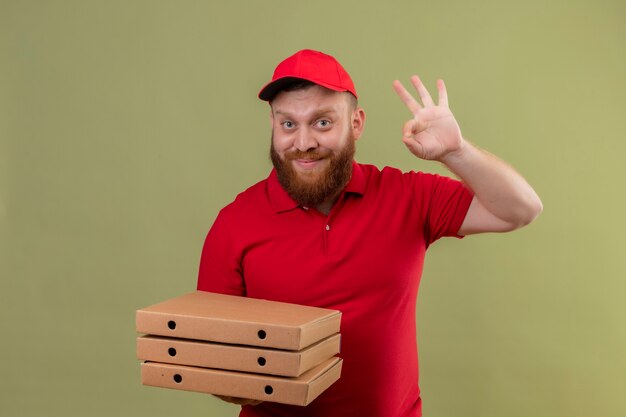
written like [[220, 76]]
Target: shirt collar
[[281, 201]]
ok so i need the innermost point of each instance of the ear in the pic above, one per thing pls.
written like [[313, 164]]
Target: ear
[[357, 122]]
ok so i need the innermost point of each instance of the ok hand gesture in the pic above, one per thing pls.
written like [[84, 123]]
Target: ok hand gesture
[[433, 132]]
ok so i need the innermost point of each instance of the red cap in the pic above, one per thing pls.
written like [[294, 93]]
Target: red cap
[[309, 65]]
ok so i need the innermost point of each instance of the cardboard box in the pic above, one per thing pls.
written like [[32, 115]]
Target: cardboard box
[[297, 391], [238, 320], [236, 357]]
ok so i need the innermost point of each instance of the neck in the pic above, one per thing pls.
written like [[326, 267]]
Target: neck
[[324, 208], [328, 204]]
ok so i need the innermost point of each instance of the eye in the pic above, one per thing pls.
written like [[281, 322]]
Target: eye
[[287, 124], [323, 123]]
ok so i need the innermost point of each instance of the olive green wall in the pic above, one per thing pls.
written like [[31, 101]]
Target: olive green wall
[[126, 125]]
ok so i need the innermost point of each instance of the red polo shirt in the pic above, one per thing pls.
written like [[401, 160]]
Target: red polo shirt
[[365, 259]]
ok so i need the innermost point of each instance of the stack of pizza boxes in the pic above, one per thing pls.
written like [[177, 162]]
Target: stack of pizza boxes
[[239, 347]]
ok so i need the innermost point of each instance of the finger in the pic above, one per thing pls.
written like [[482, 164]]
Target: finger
[[406, 97], [422, 91], [409, 130], [443, 94], [238, 401]]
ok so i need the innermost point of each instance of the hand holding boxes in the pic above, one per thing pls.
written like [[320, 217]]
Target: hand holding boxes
[[239, 347]]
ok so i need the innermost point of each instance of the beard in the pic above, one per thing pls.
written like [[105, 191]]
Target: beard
[[314, 188]]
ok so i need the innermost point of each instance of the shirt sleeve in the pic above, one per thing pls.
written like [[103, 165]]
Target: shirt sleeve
[[220, 264], [443, 203]]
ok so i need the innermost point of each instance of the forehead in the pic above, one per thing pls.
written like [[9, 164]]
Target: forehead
[[310, 99]]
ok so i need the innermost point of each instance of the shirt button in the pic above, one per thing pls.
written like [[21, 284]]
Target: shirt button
[[327, 228], [305, 207]]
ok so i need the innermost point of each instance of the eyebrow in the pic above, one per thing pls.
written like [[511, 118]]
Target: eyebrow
[[321, 112]]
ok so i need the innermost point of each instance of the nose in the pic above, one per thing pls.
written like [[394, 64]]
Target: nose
[[305, 140]]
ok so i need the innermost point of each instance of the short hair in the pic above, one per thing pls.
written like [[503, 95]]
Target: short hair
[[299, 84]]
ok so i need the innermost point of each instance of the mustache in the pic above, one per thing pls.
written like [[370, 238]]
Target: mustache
[[310, 154]]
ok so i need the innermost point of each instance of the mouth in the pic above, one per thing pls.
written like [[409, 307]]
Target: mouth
[[308, 164]]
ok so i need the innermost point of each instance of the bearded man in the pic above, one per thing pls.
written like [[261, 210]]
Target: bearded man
[[326, 231]]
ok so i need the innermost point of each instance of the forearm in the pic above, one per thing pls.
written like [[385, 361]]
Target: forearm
[[500, 189], [503, 199]]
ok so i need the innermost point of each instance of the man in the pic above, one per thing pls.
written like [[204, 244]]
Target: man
[[326, 231]]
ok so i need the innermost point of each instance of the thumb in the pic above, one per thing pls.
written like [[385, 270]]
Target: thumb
[[411, 128]]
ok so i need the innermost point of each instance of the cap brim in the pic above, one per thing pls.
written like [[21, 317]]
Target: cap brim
[[268, 92]]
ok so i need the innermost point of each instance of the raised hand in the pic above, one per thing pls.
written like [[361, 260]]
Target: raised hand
[[432, 133]]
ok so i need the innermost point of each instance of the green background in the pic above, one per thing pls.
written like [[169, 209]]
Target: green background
[[126, 125]]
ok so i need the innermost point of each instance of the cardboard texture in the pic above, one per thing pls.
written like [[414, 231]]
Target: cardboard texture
[[238, 320], [296, 391], [236, 357]]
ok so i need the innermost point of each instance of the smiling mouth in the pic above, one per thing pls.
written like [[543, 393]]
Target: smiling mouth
[[307, 163]]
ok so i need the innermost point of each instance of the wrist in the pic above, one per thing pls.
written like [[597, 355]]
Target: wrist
[[457, 155]]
